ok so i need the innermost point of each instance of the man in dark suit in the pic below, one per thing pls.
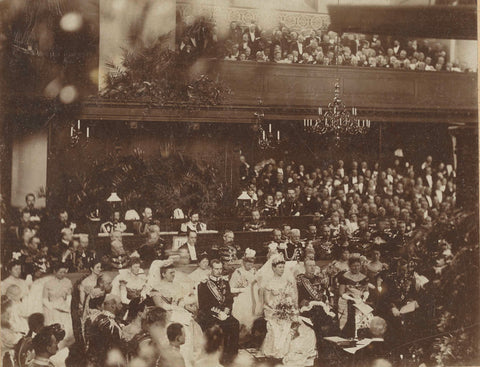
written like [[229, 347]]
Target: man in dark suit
[[190, 246], [30, 206], [309, 203], [298, 45], [215, 302], [57, 251], [152, 249], [396, 48], [253, 37], [256, 223], [235, 33], [325, 44], [59, 223], [290, 207]]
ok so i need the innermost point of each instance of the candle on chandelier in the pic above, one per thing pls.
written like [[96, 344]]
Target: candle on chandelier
[[263, 134], [270, 128], [78, 124], [368, 123], [88, 132], [278, 135], [320, 110], [71, 131]]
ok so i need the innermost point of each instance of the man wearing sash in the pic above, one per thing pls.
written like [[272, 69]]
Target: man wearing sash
[[215, 302], [313, 300]]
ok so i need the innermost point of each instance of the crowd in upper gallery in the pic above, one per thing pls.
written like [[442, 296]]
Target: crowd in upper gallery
[[283, 45]]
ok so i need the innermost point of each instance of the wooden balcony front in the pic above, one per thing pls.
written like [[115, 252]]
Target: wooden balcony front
[[294, 91]]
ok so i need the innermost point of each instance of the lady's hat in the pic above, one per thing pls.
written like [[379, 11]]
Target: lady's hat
[[249, 255]]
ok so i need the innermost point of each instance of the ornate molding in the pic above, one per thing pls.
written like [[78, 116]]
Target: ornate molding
[[225, 15]]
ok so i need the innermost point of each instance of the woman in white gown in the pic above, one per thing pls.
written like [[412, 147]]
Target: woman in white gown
[[57, 295], [173, 291], [240, 285], [203, 271], [278, 293], [165, 292], [129, 282]]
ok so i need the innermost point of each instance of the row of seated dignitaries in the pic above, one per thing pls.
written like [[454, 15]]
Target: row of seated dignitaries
[[284, 309]]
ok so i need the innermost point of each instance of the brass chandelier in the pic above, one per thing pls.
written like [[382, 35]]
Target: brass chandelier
[[337, 119]]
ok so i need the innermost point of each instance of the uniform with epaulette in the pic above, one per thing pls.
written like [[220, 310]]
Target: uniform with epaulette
[[313, 288], [215, 303]]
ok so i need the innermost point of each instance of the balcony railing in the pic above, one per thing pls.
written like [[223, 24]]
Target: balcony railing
[[311, 85], [294, 92]]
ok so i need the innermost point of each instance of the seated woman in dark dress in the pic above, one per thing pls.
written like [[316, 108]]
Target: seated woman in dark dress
[[353, 290]]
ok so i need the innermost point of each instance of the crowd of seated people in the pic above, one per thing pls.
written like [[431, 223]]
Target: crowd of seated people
[[319, 47], [370, 275], [412, 194]]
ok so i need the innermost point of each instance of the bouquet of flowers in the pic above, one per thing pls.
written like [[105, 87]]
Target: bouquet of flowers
[[285, 309]]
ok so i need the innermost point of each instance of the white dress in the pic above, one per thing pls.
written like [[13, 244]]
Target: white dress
[[58, 293], [241, 284], [34, 299], [302, 349], [276, 291], [128, 285]]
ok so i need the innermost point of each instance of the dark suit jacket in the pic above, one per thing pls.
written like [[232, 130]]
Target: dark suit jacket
[[294, 46], [253, 43], [288, 209], [309, 206]]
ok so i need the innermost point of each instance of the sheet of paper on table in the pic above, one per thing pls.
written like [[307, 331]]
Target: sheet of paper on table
[[409, 307], [335, 339], [362, 343], [363, 308]]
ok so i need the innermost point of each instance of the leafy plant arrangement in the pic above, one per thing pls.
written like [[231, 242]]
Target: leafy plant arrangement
[[160, 76], [164, 184], [451, 335]]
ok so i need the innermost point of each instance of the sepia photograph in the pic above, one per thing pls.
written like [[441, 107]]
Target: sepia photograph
[[230, 183]]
